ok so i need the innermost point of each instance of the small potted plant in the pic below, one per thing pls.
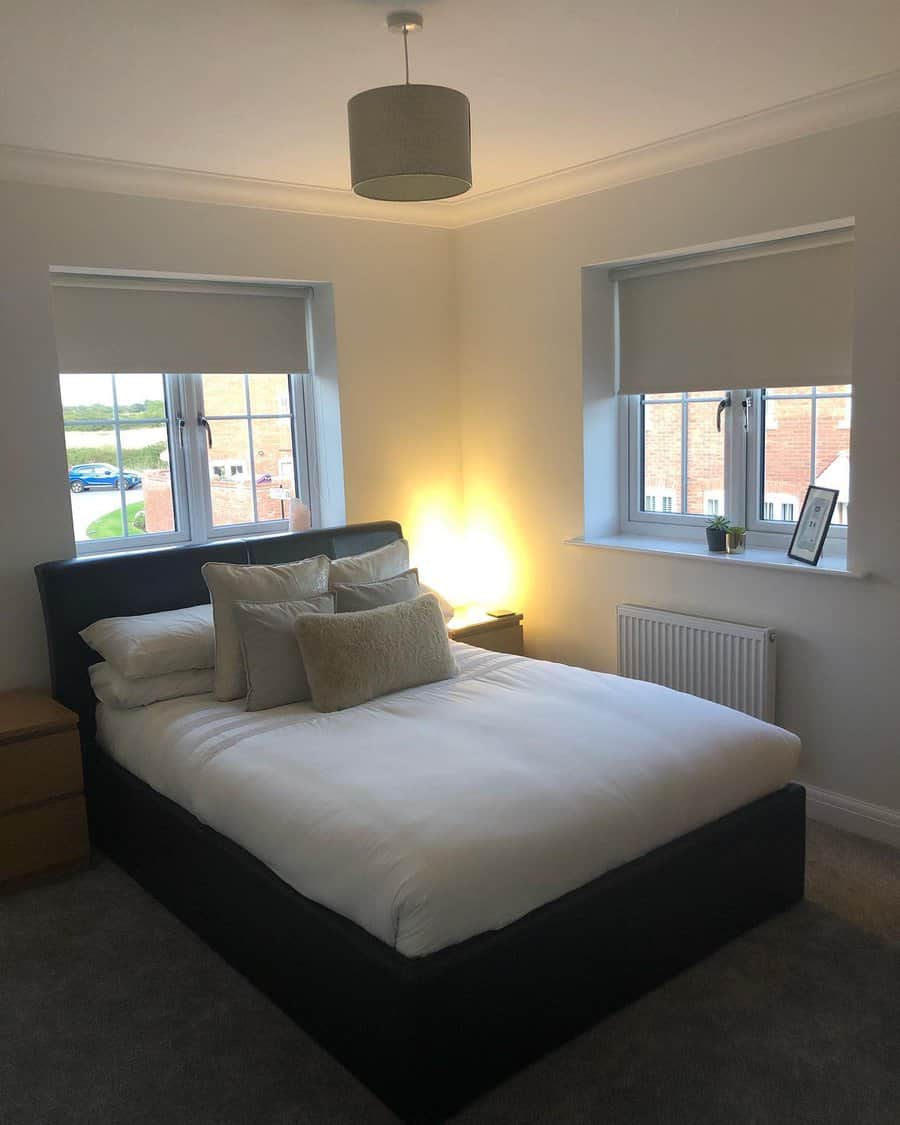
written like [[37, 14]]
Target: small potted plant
[[715, 534], [735, 540]]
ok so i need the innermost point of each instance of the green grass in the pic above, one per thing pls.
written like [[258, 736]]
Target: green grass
[[110, 525], [147, 457], [101, 414]]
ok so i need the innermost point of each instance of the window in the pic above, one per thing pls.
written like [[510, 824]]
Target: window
[[776, 310], [682, 455], [810, 446], [159, 452], [660, 501], [695, 455], [167, 458]]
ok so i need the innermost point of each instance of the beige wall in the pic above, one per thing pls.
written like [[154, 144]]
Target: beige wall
[[396, 358], [521, 370], [503, 299]]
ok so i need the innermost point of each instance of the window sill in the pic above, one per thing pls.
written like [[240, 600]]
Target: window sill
[[832, 565]]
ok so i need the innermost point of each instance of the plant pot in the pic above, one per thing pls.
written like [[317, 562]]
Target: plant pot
[[735, 542], [715, 539]]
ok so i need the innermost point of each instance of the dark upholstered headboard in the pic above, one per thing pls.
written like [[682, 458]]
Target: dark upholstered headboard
[[77, 592]]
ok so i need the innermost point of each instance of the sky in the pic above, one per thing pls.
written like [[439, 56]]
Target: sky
[[81, 390]]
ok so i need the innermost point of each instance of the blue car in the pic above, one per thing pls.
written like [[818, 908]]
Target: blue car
[[100, 475]]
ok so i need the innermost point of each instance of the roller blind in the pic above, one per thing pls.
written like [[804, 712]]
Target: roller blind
[[137, 325], [777, 315]]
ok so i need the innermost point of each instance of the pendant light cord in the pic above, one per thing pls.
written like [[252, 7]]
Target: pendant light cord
[[406, 52]]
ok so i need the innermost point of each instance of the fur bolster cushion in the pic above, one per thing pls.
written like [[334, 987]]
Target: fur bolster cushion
[[351, 658]]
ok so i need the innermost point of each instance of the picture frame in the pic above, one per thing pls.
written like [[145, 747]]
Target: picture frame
[[812, 526]]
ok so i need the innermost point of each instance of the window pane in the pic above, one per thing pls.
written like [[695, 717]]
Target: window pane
[[273, 454], [717, 395], [98, 480], [230, 473], [662, 456], [224, 395], [269, 394], [251, 462], [788, 390], [705, 460], [86, 398], [668, 396], [93, 481], [832, 469], [786, 457], [140, 398], [147, 474]]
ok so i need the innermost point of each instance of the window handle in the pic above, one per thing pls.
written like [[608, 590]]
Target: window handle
[[202, 420], [746, 406], [180, 420], [723, 403]]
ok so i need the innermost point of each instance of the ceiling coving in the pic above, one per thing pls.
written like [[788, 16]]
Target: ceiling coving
[[410, 142]]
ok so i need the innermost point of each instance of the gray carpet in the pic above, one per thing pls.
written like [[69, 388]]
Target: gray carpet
[[113, 1013]]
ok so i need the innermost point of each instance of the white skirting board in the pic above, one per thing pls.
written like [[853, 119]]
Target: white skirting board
[[873, 821]]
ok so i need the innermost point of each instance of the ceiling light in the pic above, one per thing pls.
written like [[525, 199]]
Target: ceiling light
[[409, 142]]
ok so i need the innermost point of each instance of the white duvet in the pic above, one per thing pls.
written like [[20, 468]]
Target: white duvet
[[444, 811]]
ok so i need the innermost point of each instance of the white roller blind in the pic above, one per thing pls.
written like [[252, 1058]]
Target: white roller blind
[[778, 315], [136, 325]]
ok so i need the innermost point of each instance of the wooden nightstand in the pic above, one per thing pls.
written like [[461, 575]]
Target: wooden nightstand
[[43, 826], [499, 634]]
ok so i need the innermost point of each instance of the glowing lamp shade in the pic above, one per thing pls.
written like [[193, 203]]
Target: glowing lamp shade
[[410, 142]]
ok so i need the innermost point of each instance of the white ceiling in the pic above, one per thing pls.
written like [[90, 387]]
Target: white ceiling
[[259, 89]]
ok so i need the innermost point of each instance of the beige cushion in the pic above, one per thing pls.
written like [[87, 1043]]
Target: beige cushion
[[370, 595], [373, 566], [154, 644], [353, 657], [230, 583]]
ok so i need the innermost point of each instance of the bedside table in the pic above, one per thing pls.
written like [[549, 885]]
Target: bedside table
[[499, 634], [43, 826]]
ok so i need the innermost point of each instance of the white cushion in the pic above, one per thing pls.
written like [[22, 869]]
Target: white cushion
[[230, 583], [373, 566], [378, 565], [152, 644], [116, 690]]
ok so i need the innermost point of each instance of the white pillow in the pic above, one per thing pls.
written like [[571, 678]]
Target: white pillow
[[373, 566], [116, 690], [152, 644], [378, 565], [229, 583]]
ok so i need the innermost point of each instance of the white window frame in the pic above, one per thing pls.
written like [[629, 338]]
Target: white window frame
[[743, 463], [189, 462], [837, 533], [673, 524]]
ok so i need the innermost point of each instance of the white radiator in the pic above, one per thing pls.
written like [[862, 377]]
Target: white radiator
[[718, 660]]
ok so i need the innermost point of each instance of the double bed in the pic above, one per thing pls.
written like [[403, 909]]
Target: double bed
[[445, 882]]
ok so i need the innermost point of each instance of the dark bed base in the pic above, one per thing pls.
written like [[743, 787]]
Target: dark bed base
[[427, 1034]]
